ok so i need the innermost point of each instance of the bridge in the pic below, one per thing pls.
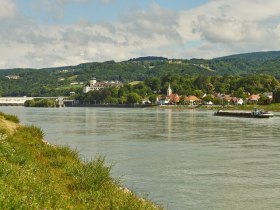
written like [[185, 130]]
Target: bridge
[[19, 101]]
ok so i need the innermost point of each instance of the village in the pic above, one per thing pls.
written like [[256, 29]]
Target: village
[[171, 98], [217, 99]]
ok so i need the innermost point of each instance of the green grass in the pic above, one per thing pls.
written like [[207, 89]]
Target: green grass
[[10, 117], [36, 175]]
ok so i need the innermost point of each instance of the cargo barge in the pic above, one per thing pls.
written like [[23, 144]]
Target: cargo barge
[[256, 113]]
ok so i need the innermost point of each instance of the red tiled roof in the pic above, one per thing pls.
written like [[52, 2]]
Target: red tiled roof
[[192, 98], [254, 97], [174, 97], [227, 97]]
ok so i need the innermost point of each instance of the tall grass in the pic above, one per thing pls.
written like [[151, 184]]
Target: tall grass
[[10, 117], [35, 175]]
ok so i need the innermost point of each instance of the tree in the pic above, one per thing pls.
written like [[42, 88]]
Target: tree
[[264, 100], [198, 93], [153, 98], [154, 84], [276, 95], [133, 98], [239, 93], [122, 99], [182, 100]]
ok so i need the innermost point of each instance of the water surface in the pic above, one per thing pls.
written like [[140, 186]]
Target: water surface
[[181, 159]]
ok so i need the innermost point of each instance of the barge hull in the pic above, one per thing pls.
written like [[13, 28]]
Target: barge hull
[[242, 114]]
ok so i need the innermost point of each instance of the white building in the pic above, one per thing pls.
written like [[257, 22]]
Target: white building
[[94, 85], [15, 77]]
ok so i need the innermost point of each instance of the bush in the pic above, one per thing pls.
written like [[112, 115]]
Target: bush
[[40, 103]]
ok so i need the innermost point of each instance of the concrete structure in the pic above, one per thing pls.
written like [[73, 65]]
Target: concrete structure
[[19, 101], [14, 101]]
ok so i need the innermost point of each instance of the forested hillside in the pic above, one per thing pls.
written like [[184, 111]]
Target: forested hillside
[[63, 80]]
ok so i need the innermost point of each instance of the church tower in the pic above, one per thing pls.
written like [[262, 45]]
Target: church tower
[[92, 82], [169, 90]]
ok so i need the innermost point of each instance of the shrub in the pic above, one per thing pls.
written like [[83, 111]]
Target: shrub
[[40, 103]]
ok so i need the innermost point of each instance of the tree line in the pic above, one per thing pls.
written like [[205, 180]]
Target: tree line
[[186, 85]]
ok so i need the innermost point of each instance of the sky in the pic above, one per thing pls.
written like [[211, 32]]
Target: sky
[[49, 33]]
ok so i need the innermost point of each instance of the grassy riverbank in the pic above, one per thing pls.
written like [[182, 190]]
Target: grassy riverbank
[[36, 175]]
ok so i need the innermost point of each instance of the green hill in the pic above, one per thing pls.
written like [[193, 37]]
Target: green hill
[[57, 81], [254, 56]]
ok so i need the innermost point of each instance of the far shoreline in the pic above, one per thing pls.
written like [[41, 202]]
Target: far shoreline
[[269, 107]]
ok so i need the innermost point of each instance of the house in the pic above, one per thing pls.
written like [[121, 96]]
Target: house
[[74, 83], [174, 61], [254, 98], [173, 98], [15, 77], [146, 101], [94, 85], [192, 100], [209, 103], [162, 100], [237, 101], [227, 99]]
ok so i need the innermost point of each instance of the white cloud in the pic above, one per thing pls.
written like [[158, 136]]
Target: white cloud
[[238, 25], [54, 9], [8, 9], [217, 28]]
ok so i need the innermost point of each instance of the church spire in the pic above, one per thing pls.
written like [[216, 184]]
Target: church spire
[[169, 90]]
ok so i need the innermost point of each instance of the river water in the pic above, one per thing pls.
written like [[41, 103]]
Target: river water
[[180, 159]]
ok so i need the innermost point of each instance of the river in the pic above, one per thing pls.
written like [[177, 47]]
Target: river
[[180, 159]]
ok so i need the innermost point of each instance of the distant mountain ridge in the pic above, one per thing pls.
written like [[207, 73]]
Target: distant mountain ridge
[[264, 56], [148, 58]]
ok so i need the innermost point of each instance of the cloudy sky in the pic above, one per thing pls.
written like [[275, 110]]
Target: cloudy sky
[[46, 33]]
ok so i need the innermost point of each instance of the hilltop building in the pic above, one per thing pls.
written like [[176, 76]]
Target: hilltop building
[[95, 86], [14, 77]]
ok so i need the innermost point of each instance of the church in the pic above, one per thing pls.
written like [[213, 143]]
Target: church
[[170, 98]]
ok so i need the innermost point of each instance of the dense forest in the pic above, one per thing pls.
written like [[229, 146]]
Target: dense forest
[[64, 80]]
